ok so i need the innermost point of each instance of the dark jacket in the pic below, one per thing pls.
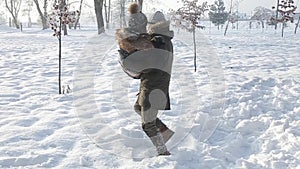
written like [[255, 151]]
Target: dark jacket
[[156, 78], [151, 65], [132, 46]]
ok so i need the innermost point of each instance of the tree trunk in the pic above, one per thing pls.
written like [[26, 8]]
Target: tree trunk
[[77, 20], [43, 16], [122, 14], [62, 6], [140, 2], [107, 13], [64, 27], [277, 6], [282, 30], [15, 20], [226, 28], [13, 7], [9, 22], [195, 50], [228, 18], [98, 10], [297, 25], [59, 57], [262, 24], [29, 20]]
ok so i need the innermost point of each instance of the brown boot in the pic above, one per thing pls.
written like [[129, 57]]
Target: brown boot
[[155, 136], [158, 142], [164, 130]]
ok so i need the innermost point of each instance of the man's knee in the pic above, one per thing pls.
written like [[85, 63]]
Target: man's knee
[[148, 115]]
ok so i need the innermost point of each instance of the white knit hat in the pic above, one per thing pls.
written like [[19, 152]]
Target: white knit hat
[[157, 17]]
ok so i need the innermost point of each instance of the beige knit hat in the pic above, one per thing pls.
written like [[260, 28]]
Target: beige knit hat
[[158, 16]]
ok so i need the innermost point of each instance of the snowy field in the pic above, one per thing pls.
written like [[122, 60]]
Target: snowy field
[[240, 110]]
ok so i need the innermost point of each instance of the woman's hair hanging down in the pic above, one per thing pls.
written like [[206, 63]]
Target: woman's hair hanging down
[[133, 8]]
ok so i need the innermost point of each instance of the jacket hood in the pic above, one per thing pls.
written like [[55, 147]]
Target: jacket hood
[[157, 17], [162, 28]]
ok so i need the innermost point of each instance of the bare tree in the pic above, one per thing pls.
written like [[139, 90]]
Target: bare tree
[[43, 14], [59, 17], [62, 5], [276, 17], [287, 9], [297, 25], [230, 16], [107, 12], [122, 14], [13, 6], [262, 14], [191, 13], [27, 11], [79, 13], [98, 10], [140, 3]]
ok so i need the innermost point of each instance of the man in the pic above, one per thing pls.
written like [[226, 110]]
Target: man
[[154, 86], [153, 67]]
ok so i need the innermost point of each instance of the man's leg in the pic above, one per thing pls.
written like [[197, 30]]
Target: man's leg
[[163, 129], [137, 108], [152, 131]]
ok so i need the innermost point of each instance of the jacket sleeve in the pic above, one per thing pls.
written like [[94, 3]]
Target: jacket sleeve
[[122, 56], [158, 42]]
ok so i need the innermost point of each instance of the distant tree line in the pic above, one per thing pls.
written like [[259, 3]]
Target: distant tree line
[[219, 16], [102, 9]]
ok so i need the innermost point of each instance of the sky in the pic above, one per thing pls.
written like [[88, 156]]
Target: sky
[[244, 6], [250, 5]]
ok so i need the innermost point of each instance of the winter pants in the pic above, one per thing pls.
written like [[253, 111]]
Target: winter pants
[[162, 127], [148, 115], [149, 119]]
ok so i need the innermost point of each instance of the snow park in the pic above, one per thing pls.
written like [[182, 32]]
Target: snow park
[[98, 85]]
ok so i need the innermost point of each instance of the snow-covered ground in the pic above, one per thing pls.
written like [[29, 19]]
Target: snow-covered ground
[[241, 109]]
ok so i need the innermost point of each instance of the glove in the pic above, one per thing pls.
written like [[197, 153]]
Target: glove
[[157, 41]]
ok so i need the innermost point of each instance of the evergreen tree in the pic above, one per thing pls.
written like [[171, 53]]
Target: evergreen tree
[[217, 13]]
